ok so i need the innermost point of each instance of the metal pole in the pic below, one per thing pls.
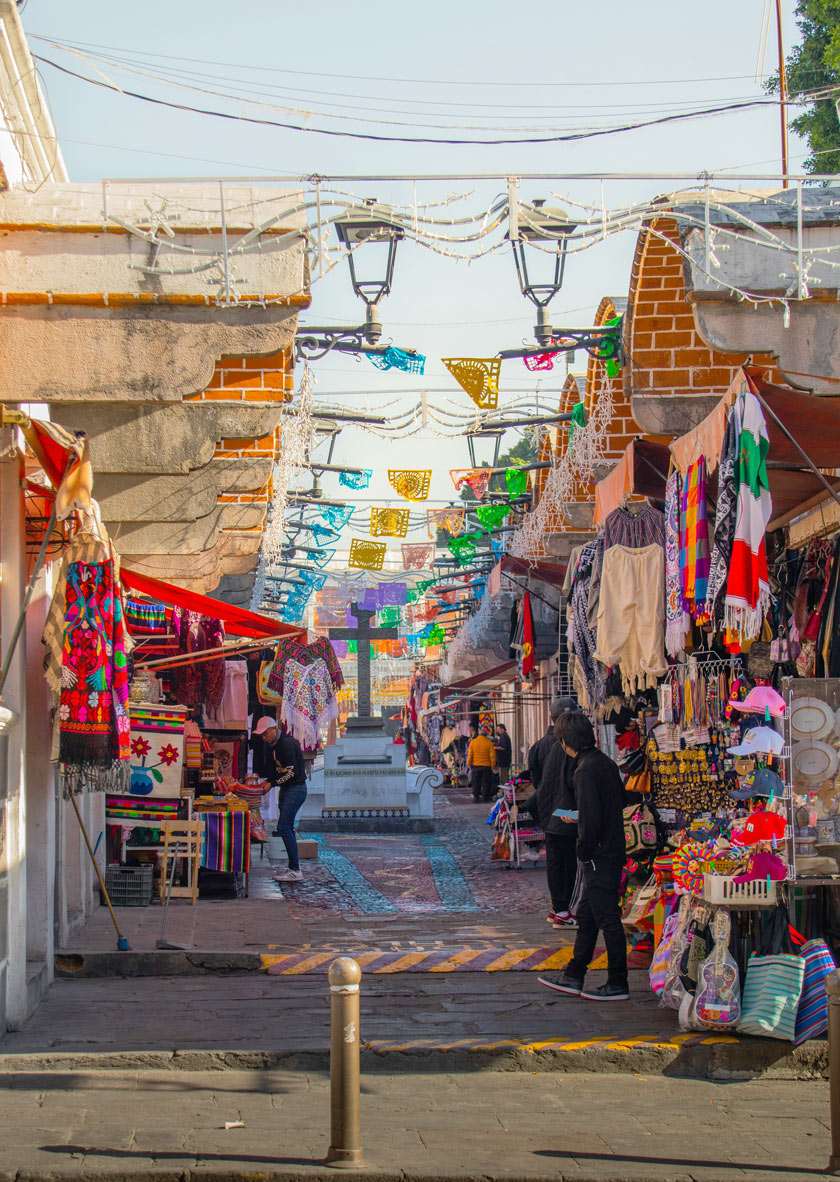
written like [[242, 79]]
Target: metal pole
[[782, 94], [345, 1151]]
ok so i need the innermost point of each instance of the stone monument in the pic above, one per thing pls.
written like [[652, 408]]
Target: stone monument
[[364, 784]]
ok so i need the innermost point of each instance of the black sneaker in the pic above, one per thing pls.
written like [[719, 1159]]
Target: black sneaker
[[606, 993], [565, 984]]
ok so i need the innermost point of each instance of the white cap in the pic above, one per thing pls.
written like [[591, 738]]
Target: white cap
[[264, 724], [759, 738]]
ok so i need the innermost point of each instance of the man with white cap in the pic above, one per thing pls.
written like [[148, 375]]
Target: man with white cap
[[290, 774]]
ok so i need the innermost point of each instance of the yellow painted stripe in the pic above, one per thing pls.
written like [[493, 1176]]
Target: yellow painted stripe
[[507, 960], [456, 960], [557, 1044], [311, 962]]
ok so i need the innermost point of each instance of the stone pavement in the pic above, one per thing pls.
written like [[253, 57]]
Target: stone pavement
[[419, 911], [171, 1126]]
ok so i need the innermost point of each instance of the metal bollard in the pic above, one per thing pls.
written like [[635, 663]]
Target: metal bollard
[[832, 988], [345, 1151]]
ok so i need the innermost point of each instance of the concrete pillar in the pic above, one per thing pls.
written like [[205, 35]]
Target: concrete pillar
[[41, 776], [13, 866]]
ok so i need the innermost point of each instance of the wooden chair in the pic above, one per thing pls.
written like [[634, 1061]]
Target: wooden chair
[[181, 839]]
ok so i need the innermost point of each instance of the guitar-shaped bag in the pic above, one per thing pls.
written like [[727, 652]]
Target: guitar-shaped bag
[[718, 998]]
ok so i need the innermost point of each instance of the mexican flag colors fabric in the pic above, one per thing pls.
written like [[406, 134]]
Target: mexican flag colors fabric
[[748, 585]]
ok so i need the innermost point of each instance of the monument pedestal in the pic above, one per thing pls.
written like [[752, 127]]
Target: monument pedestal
[[364, 786]]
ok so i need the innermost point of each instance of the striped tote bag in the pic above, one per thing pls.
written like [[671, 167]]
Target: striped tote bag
[[772, 989], [812, 1015]]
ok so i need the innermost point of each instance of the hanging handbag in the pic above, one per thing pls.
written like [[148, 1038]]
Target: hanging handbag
[[773, 982], [812, 1013], [639, 830], [266, 695]]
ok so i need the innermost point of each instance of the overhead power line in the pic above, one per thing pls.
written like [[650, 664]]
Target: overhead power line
[[399, 139]]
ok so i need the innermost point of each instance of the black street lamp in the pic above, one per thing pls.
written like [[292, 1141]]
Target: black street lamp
[[541, 226], [370, 234]]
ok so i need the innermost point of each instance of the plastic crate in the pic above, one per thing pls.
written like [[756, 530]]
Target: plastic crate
[[722, 889], [130, 886]]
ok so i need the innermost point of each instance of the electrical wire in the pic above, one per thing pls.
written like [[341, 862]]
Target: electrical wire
[[569, 137]]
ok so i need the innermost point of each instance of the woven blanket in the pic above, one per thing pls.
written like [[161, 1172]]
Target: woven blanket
[[694, 542], [227, 846]]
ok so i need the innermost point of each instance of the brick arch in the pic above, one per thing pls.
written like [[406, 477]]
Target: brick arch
[[665, 352]]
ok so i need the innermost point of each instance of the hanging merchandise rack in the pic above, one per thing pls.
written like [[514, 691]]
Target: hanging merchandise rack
[[695, 693]]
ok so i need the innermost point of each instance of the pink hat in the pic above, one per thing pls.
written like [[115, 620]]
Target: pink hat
[[264, 724], [763, 865], [762, 699]]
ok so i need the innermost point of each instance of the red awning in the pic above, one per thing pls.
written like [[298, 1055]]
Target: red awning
[[237, 620]]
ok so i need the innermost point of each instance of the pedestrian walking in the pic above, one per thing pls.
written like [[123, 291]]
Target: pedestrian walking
[[286, 769], [551, 775], [504, 753], [601, 850], [481, 762]]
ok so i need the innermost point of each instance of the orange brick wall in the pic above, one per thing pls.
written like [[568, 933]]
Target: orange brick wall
[[250, 379], [665, 352]]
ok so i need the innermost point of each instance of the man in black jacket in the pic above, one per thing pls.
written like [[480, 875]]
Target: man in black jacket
[[601, 850], [556, 791]]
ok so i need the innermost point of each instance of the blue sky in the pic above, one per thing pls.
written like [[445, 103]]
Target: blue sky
[[473, 63]]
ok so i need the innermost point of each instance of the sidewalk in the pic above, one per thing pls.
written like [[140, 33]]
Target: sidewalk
[[167, 1126]]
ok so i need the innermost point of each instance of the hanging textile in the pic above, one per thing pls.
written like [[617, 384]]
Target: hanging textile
[[492, 516], [539, 361], [413, 484], [529, 660], [307, 678], [337, 515], [150, 624], [516, 480], [389, 523], [479, 377], [451, 520], [394, 358], [418, 555], [226, 846], [94, 745], [463, 550], [476, 478], [356, 479], [323, 533], [201, 683], [725, 515], [587, 673], [748, 586], [392, 595], [677, 620], [157, 750], [366, 555], [694, 541]]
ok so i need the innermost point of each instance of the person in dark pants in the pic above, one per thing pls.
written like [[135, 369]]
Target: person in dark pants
[[288, 770], [551, 775], [601, 849], [504, 753], [481, 763]]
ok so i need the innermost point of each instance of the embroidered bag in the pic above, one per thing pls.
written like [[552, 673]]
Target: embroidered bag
[[639, 830], [812, 1014]]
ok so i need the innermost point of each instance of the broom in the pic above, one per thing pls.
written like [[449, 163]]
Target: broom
[[122, 943]]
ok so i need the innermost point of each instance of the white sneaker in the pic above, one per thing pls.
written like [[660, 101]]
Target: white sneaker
[[564, 919], [288, 876]]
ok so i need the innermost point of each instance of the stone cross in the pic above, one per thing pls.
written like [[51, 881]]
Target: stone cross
[[364, 634]]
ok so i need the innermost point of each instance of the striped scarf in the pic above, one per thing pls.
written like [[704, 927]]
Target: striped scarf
[[694, 542]]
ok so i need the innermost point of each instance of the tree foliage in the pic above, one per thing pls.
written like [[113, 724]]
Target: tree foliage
[[811, 66]]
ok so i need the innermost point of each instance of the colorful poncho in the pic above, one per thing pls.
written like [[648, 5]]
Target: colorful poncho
[[726, 512], [748, 586], [694, 541], [93, 708]]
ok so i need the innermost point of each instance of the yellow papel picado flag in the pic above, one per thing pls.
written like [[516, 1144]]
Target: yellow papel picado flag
[[413, 484], [479, 376], [389, 523], [366, 555]]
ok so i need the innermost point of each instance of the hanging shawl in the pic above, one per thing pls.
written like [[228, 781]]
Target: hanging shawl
[[748, 585], [677, 620], [725, 514], [581, 636], [93, 710], [694, 541]]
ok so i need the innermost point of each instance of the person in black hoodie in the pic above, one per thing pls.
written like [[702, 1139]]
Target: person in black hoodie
[[601, 849], [556, 791]]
